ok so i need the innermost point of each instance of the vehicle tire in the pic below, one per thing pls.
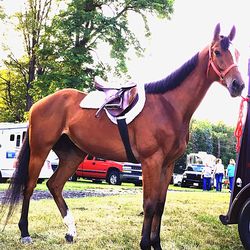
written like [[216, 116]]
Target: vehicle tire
[[184, 185], [40, 180], [2, 180], [114, 178], [138, 184], [73, 177], [244, 225], [97, 181]]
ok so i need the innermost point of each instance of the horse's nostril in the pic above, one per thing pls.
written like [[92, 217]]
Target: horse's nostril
[[235, 84]]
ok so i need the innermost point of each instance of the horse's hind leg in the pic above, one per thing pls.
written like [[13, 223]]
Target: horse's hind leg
[[35, 165], [69, 159]]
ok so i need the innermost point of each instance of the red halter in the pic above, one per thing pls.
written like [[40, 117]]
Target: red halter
[[220, 73]]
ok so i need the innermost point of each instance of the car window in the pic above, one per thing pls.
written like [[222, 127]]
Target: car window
[[99, 159], [90, 157], [198, 168]]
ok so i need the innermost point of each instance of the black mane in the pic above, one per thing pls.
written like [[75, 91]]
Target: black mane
[[173, 80]]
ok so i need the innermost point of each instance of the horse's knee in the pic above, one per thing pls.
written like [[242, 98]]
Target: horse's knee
[[149, 209], [160, 208], [53, 188]]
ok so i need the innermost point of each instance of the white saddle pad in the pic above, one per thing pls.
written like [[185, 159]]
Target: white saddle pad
[[95, 99]]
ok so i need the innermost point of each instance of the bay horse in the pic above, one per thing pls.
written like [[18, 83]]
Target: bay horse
[[158, 136]]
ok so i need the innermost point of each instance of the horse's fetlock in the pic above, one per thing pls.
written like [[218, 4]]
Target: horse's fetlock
[[145, 244], [23, 226], [155, 242]]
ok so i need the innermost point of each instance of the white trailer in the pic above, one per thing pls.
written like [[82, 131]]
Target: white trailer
[[11, 138]]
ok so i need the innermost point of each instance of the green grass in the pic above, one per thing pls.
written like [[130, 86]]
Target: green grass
[[190, 222]]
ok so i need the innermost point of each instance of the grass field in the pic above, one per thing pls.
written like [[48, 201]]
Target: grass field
[[190, 222]]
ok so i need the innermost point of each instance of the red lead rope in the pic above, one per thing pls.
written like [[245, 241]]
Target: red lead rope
[[238, 130]]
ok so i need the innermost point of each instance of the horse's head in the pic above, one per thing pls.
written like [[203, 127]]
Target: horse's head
[[223, 59]]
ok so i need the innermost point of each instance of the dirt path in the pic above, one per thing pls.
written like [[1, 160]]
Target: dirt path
[[38, 195]]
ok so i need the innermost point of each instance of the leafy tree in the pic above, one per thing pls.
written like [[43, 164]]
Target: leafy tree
[[2, 13], [32, 25], [224, 142], [12, 96], [201, 136], [217, 139], [71, 44]]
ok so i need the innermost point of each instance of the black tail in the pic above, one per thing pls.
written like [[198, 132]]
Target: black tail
[[19, 181]]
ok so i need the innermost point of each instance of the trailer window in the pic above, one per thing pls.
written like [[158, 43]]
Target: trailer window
[[18, 140], [12, 137]]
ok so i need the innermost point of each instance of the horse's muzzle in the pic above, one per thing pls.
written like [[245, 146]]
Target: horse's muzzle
[[236, 88]]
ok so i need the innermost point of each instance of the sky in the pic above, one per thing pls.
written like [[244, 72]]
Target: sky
[[175, 41]]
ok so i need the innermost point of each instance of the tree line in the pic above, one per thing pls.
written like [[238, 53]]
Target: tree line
[[216, 139]]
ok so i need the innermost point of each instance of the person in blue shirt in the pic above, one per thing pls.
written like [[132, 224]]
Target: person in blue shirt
[[230, 173]]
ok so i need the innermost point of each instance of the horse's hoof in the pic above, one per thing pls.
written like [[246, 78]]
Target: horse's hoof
[[26, 240], [69, 238]]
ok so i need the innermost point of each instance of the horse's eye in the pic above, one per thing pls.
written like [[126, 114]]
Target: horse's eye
[[217, 53]]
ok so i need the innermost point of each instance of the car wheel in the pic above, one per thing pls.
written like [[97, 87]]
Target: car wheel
[[97, 181], [138, 184], [73, 177], [244, 225], [2, 180], [40, 180], [184, 185], [114, 178]]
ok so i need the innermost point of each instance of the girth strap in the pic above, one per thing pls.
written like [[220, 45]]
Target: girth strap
[[123, 129]]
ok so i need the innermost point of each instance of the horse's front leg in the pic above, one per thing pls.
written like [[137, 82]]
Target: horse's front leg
[[151, 194], [166, 176]]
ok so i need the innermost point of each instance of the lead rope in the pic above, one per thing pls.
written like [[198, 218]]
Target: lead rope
[[239, 126]]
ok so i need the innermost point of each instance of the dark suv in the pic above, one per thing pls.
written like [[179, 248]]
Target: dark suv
[[192, 176]]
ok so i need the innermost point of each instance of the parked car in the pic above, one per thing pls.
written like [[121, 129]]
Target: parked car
[[177, 179], [98, 169], [192, 177]]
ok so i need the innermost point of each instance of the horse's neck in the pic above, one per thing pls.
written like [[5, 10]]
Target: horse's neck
[[187, 97]]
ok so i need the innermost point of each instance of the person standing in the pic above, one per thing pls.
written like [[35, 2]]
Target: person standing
[[219, 172], [207, 174], [230, 173]]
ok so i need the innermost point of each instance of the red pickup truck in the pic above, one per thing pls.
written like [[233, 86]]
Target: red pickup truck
[[98, 169]]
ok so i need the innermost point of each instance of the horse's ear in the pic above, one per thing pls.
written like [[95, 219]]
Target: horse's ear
[[232, 33], [217, 32]]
